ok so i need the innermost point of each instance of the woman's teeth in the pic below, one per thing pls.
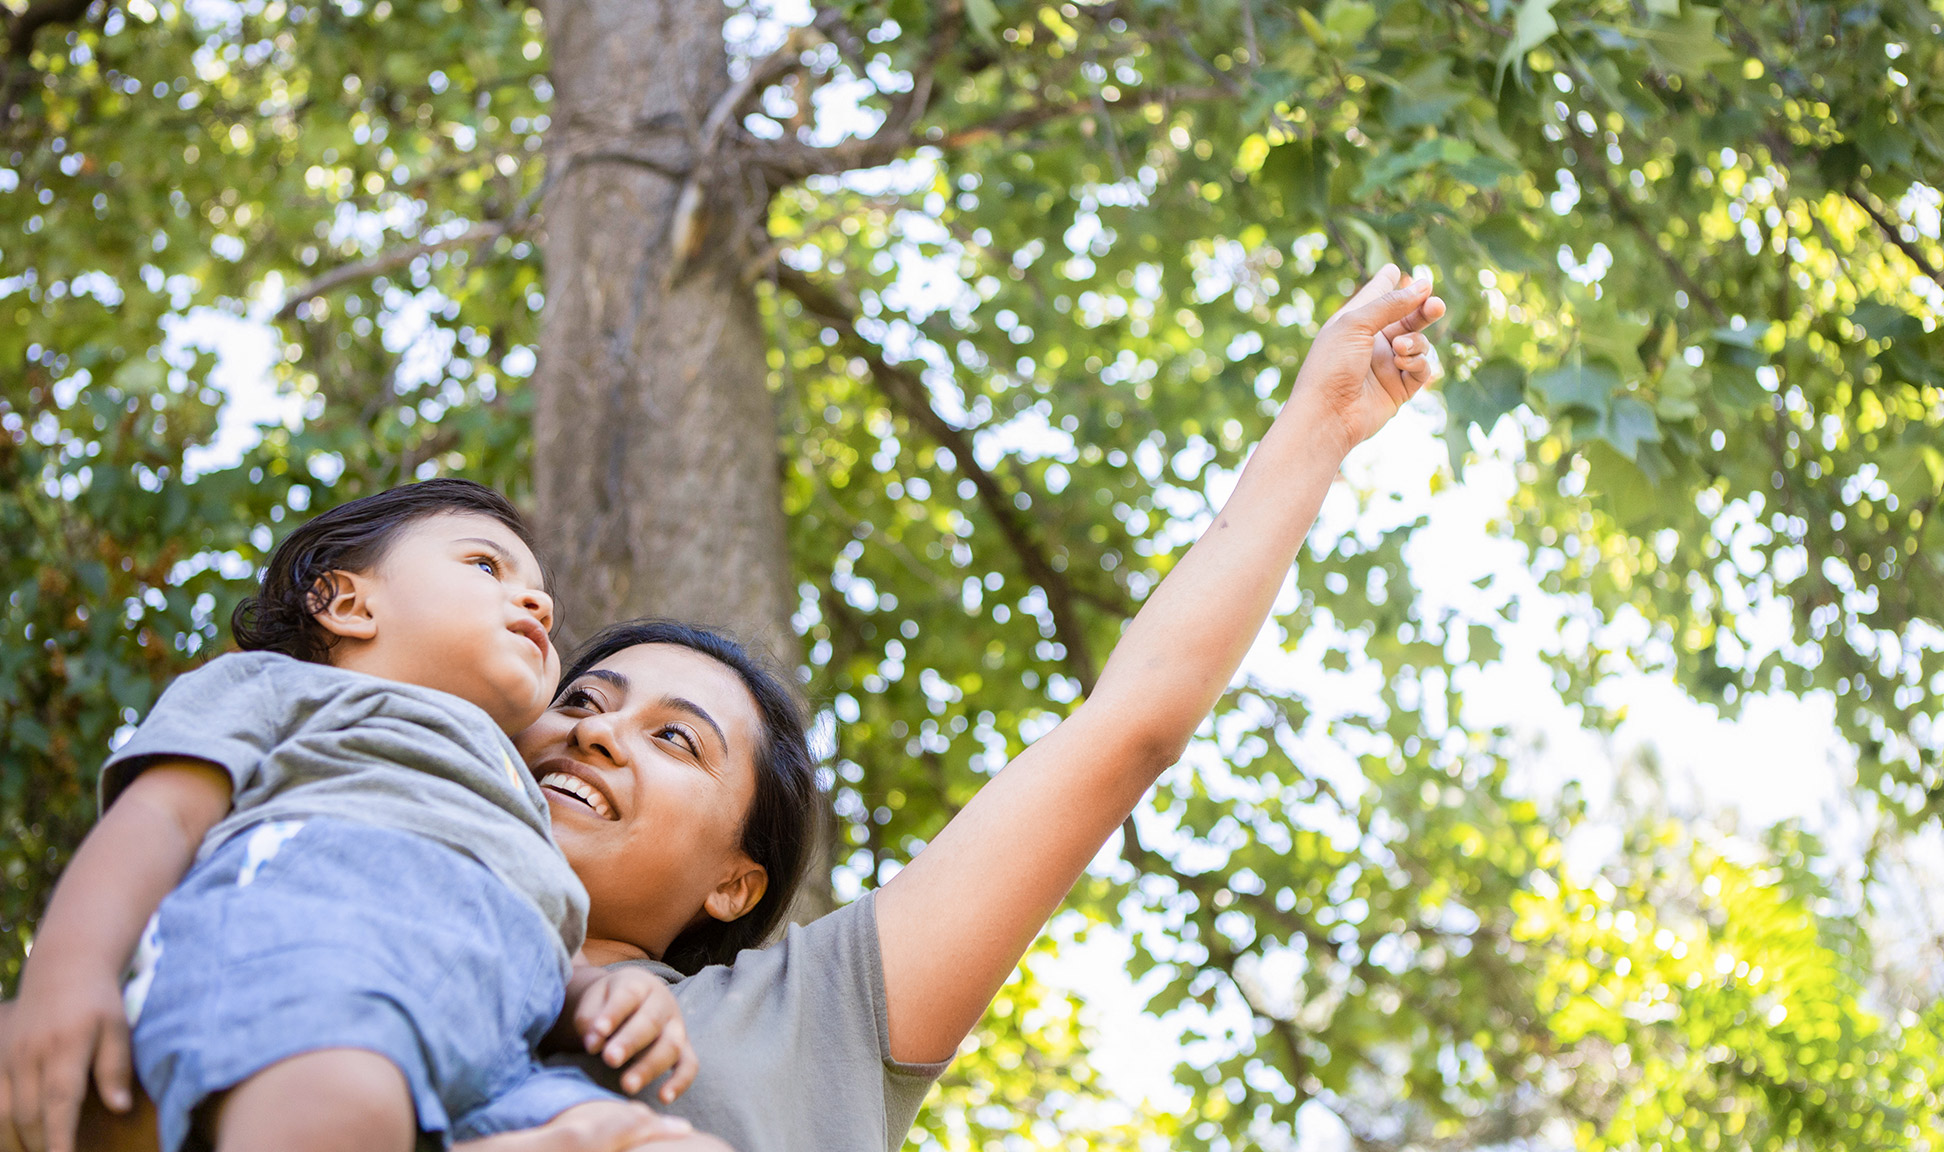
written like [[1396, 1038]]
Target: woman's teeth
[[580, 790]]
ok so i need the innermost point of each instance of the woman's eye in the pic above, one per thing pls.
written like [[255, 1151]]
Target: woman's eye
[[578, 698], [487, 565], [679, 736]]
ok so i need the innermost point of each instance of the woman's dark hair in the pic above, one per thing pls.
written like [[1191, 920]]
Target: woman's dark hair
[[352, 537], [777, 829]]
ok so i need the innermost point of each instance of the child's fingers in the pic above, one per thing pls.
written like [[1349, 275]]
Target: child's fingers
[[589, 1013], [682, 1076], [112, 1066], [636, 1033], [607, 1005], [30, 1103], [661, 1056]]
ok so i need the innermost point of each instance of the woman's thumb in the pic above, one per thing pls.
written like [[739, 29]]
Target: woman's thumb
[[1387, 308]]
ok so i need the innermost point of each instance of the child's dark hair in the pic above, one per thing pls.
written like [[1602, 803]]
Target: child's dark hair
[[352, 537], [778, 830]]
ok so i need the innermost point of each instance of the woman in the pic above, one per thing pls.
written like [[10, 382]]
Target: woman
[[680, 788]]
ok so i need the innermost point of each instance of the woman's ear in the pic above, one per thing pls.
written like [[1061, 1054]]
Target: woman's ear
[[735, 896], [346, 606]]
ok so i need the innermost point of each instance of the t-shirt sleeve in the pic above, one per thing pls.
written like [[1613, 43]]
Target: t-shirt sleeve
[[905, 1084], [225, 712], [795, 1045]]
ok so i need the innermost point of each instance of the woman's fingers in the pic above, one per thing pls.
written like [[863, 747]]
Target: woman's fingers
[[1427, 314]]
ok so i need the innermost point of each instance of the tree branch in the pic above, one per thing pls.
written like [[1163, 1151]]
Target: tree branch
[[24, 25], [909, 397], [398, 257], [1623, 211], [1892, 232], [1009, 122]]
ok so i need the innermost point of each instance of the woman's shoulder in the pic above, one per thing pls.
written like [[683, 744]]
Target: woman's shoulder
[[839, 945]]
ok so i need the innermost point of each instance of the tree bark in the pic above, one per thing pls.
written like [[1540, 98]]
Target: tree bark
[[656, 462], [655, 456]]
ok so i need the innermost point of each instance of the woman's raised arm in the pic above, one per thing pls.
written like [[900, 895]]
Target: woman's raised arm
[[954, 923]]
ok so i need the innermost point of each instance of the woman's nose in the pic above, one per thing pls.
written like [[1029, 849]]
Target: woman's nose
[[597, 733]]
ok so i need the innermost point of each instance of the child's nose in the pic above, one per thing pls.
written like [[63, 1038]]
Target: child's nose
[[541, 605]]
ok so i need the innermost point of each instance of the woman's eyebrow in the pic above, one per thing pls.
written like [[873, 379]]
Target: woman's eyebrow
[[696, 710], [610, 676]]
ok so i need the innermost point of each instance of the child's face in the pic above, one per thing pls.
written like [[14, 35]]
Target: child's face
[[456, 604]]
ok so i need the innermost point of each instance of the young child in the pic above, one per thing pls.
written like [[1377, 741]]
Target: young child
[[377, 928]]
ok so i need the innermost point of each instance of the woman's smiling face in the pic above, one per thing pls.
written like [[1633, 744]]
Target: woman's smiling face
[[648, 763]]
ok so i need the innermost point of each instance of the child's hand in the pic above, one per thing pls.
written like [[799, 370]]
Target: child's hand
[[64, 1024], [1370, 356], [624, 1011]]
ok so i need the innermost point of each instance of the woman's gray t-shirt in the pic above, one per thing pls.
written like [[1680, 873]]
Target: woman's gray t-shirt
[[793, 1044]]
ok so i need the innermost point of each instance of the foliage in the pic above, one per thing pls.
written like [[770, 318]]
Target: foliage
[[1693, 259]]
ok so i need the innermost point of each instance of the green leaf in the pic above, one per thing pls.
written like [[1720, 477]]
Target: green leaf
[[1506, 240], [1628, 425], [1531, 28], [1348, 20], [1687, 44], [1488, 392], [1585, 387], [984, 16]]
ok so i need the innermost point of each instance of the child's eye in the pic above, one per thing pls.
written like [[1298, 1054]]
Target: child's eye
[[487, 565]]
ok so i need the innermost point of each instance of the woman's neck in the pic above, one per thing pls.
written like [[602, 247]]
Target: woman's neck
[[604, 952]]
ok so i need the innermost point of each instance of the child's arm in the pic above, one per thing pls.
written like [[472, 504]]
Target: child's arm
[[69, 1015], [952, 925], [619, 1012]]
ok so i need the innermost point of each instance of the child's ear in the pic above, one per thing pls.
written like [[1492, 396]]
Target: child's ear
[[740, 892], [345, 610]]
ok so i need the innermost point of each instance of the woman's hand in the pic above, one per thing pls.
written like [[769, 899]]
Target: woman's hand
[[1365, 365], [602, 1126], [621, 1012]]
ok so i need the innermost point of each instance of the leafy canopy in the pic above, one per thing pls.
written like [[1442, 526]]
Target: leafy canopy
[[1694, 262]]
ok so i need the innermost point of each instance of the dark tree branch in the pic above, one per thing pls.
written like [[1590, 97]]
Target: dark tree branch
[[1623, 212], [1007, 123], [909, 397], [786, 161], [22, 28], [394, 258], [1893, 233], [24, 25]]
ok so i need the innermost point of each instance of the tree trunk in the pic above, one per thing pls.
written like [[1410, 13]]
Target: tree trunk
[[655, 453], [655, 459]]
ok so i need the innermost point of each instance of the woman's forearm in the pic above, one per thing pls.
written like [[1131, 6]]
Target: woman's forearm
[[1177, 656]]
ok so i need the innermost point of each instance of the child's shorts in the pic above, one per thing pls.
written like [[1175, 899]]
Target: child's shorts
[[301, 935]]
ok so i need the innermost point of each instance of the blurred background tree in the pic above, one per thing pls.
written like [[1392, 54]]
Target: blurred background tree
[[915, 339]]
